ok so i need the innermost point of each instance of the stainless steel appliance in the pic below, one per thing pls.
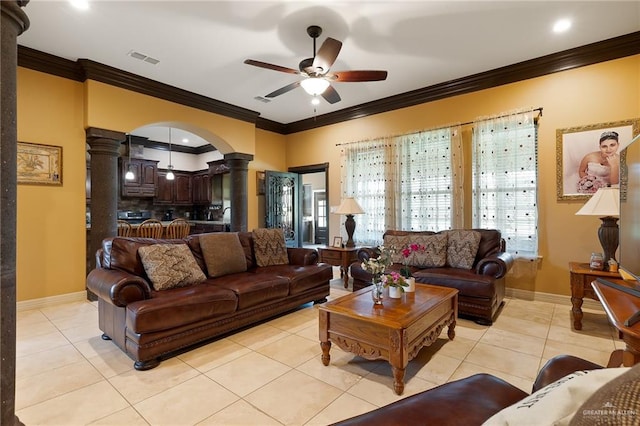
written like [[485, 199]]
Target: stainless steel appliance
[[134, 217]]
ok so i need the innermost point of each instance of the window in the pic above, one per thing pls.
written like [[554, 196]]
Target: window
[[505, 180], [403, 182]]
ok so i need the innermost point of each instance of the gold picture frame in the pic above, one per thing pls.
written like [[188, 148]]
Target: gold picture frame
[[574, 143], [39, 164]]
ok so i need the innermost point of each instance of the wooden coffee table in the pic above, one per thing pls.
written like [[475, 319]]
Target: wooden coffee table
[[395, 332]]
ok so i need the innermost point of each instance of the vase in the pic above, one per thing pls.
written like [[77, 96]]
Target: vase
[[395, 292], [412, 285], [377, 291]]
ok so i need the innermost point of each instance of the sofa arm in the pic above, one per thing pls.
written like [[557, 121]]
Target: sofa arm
[[302, 256], [560, 366], [118, 287], [497, 265], [366, 253]]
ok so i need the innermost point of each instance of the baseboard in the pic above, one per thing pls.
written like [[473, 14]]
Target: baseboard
[[550, 298], [46, 302]]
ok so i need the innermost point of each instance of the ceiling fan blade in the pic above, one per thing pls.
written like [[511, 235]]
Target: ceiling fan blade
[[330, 95], [271, 66], [282, 90], [326, 55], [355, 76]]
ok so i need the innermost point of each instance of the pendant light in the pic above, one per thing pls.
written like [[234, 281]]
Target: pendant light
[[129, 175], [170, 175]]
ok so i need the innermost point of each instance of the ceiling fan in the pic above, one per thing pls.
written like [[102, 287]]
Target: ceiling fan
[[318, 79]]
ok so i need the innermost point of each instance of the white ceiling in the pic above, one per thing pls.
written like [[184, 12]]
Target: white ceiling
[[201, 45]]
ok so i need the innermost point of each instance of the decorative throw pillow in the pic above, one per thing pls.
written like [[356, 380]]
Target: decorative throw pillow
[[269, 247], [223, 253], [396, 243], [434, 254], [462, 247], [617, 402], [170, 265], [556, 403]]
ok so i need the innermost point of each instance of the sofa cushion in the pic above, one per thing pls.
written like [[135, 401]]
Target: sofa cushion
[[270, 248], [462, 247], [223, 253], [396, 243], [559, 401], [181, 306], [170, 265], [433, 254], [254, 289], [621, 395], [301, 277], [467, 282]]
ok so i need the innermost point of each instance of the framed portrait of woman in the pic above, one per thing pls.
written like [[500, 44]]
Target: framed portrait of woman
[[591, 156]]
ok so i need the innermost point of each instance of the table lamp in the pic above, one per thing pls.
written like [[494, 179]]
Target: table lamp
[[349, 207], [605, 203]]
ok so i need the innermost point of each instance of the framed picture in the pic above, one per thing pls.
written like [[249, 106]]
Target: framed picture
[[260, 183], [39, 164], [591, 156], [337, 242]]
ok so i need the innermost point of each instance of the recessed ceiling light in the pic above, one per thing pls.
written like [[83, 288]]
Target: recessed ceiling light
[[561, 25], [80, 4], [185, 140], [315, 101]]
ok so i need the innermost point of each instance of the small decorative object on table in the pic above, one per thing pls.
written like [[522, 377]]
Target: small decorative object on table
[[376, 267], [405, 271], [396, 284], [596, 261]]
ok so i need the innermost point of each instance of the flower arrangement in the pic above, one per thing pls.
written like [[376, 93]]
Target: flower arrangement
[[590, 184], [394, 279], [406, 252], [376, 266]]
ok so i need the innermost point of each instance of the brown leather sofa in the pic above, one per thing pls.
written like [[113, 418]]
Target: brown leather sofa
[[150, 325], [468, 401], [481, 288]]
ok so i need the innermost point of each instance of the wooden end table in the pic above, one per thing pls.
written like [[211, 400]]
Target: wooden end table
[[339, 256], [619, 306], [581, 278], [395, 332]]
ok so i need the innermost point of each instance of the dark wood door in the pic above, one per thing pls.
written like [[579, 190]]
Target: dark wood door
[[182, 192], [321, 220], [283, 205]]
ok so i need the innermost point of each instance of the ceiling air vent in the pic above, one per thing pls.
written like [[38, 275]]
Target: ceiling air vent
[[143, 57], [261, 99]]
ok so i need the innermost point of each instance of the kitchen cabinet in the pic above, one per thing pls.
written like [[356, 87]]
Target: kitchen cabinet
[[87, 184], [144, 182], [174, 192], [201, 188], [203, 228]]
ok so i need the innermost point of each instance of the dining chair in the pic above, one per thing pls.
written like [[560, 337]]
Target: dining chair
[[150, 228], [124, 229], [178, 228]]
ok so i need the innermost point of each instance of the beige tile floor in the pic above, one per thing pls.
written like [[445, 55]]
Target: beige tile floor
[[270, 374]]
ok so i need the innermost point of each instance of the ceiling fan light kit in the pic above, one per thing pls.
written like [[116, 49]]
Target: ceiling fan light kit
[[314, 85], [317, 81]]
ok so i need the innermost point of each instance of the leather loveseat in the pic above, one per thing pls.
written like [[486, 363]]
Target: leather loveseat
[[475, 399], [149, 325], [481, 284]]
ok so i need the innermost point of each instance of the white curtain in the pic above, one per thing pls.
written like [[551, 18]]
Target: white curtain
[[505, 180], [404, 182]]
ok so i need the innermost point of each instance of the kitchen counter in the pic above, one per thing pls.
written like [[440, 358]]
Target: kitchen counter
[[198, 225]]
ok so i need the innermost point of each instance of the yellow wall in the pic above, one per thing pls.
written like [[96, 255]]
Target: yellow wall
[[50, 230], [52, 110], [589, 95]]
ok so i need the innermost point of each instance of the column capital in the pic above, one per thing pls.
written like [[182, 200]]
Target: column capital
[[13, 13], [105, 142]]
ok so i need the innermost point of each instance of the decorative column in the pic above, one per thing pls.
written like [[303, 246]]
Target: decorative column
[[104, 148], [13, 23], [238, 169]]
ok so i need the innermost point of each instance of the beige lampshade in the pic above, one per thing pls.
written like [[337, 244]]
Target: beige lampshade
[[605, 202], [349, 206]]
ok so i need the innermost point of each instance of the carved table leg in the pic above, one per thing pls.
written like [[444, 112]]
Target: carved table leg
[[576, 311], [398, 379], [326, 346], [451, 332]]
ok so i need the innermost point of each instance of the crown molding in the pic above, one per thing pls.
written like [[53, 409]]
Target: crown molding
[[162, 146], [82, 69]]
